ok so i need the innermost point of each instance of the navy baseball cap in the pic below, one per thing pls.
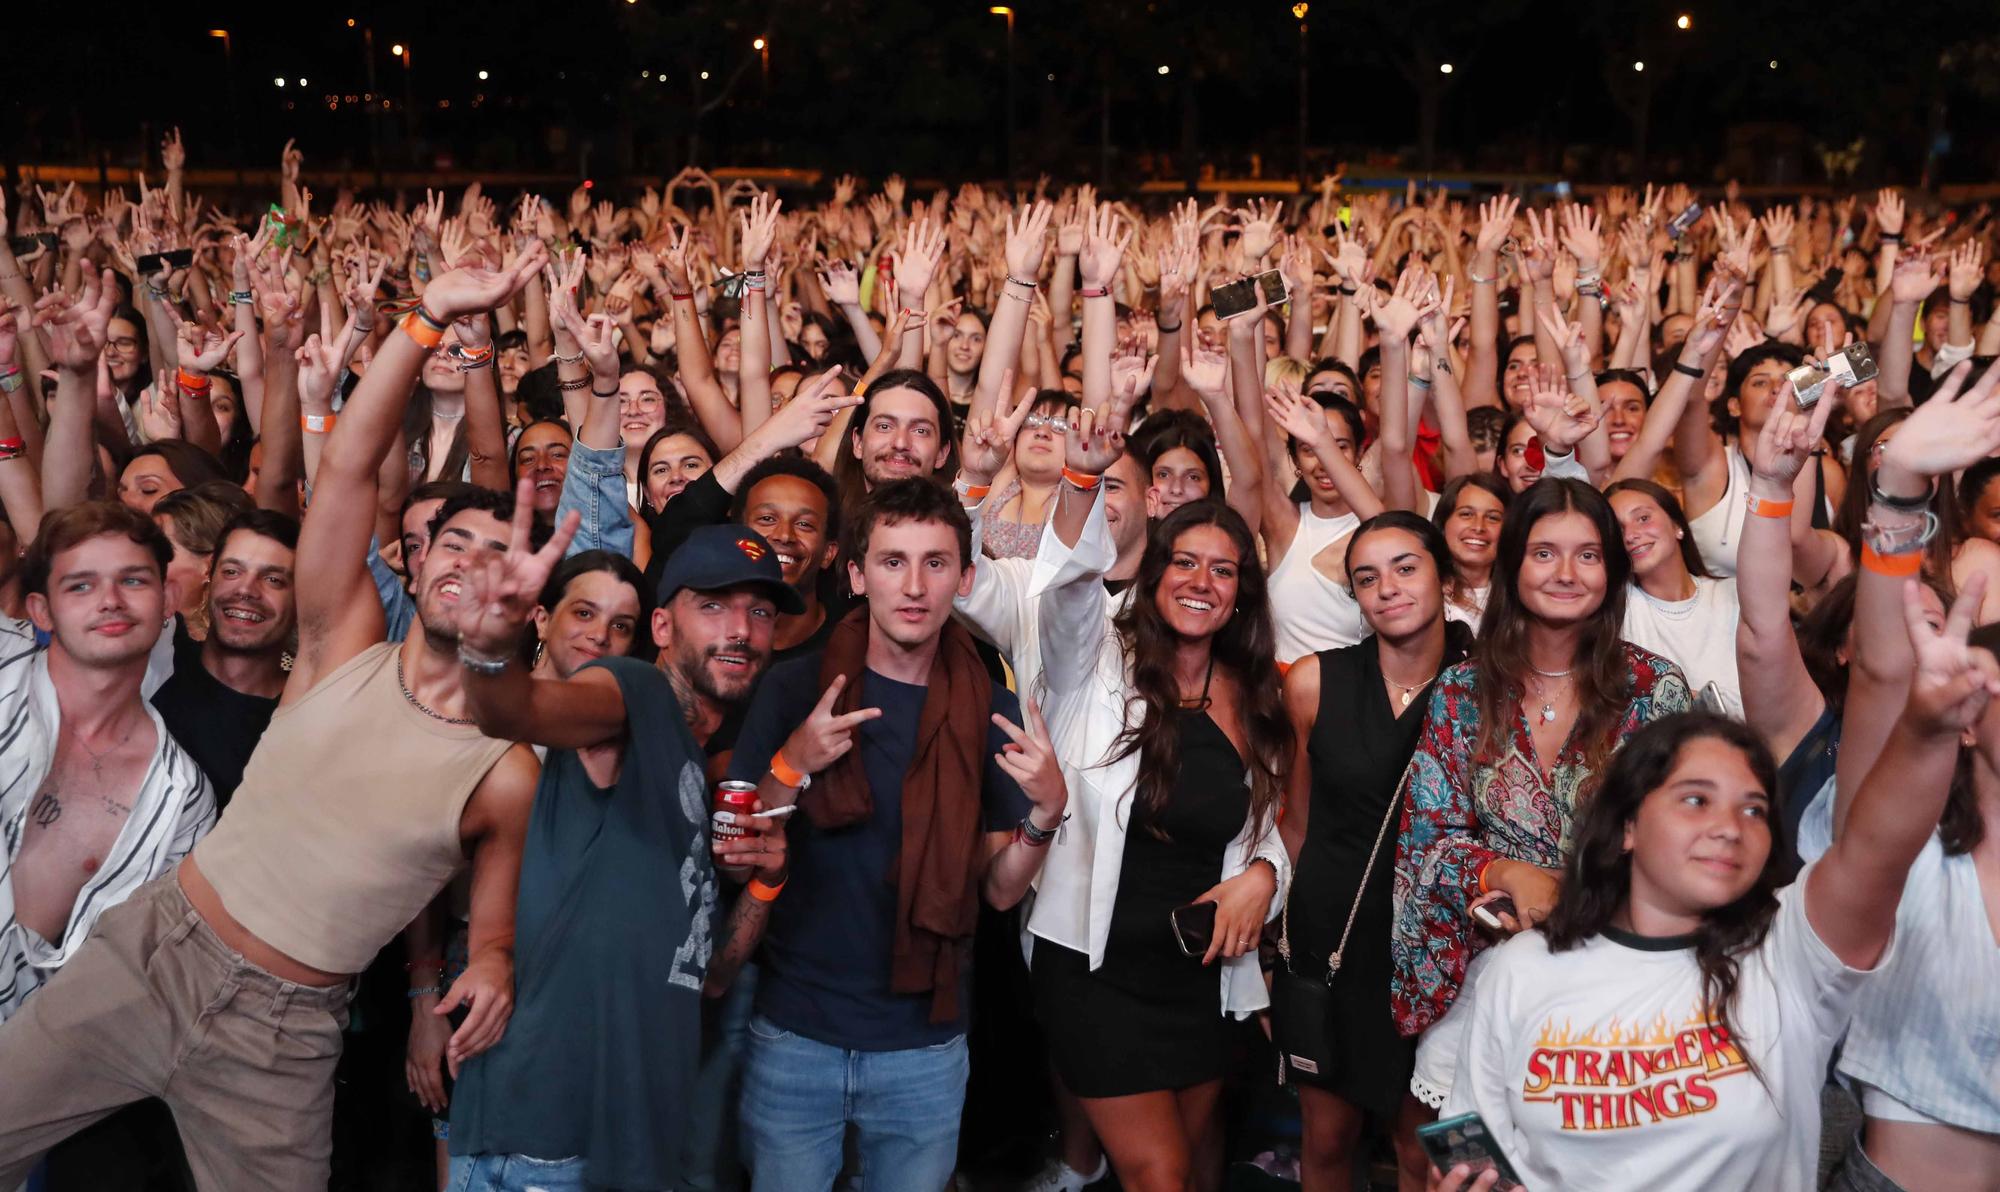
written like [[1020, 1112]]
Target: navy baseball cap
[[728, 556]]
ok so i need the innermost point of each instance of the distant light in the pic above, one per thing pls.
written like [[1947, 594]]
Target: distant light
[[224, 33], [1164, 69], [302, 82], [645, 74], [482, 76], [587, 184], [1684, 21], [350, 22], [758, 44], [1052, 78], [279, 82], [704, 74], [1001, 10], [1299, 10], [1638, 66], [397, 49], [1774, 64], [1444, 68]]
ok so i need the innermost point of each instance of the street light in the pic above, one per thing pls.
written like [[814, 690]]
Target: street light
[[482, 76], [396, 51], [1007, 154], [1684, 22], [1640, 66], [758, 44], [1164, 69], [1444, 68]]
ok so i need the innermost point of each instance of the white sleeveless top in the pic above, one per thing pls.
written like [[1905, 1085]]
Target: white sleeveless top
[[1720, 528], [1309, 611]]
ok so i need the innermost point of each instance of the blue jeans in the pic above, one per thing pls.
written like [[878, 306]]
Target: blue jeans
[[800, 1097], [515, 1173]]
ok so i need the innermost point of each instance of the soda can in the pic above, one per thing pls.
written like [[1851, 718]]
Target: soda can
[[737, 797]]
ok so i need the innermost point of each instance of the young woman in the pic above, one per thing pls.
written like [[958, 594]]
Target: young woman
[[1518, 462], [1469, 512], [675, 456], [594, 605], [1174, 712], [1514, 737], [1306, 532], [541, 454], [1356, 712], [962, 353], [1013, 528], [162, 467], [1675, 608], [643, 403], [1670, 1024], [1182, 462]]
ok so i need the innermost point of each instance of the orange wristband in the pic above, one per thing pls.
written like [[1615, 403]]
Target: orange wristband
[[427, 336], [784, 771], [317, 424], [1762, 508], [764, 893], [1081, 480], [1900, 566], [975, 492], [1483, 888]]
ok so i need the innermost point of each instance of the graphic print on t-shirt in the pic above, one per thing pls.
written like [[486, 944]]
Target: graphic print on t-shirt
[[1617, 1075], [697, 883]]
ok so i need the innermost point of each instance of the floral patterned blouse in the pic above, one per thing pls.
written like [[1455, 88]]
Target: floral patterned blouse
[[1461, 814]]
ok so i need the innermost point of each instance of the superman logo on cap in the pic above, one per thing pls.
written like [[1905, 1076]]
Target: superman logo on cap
[[751, 548]]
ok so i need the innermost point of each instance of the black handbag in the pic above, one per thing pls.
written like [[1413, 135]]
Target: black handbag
[[1302, 1007]]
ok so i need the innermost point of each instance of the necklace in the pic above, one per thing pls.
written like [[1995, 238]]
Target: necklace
[[1409, 690], [1548, 705], [418, 704], [1200, 703], [96, 758]]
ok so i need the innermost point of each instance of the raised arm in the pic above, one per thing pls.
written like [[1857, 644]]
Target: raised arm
[[1027, 236], [1482, 366], [697, 367], [1678, 417], [1852, 894], [1103, 248], [1914, 277], [76, 332], [759, 232]]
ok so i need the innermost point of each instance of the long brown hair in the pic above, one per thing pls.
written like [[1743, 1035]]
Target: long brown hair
[[1604, 679], [1246, 646], [1598, 878]]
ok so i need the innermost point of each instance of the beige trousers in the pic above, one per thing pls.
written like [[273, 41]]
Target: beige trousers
[[154, 1004]]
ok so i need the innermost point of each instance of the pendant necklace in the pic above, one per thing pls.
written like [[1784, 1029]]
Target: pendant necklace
[[1409, 690], [1549, 706]]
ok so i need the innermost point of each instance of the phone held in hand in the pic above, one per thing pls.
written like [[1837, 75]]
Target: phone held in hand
[[23, 245], [1487, 914], [1851, 366], [1680, 224], [1240, 297], [1194, 927], [1466, 1140]]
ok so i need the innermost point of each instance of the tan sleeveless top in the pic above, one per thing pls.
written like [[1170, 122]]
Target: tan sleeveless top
[[347, 821]]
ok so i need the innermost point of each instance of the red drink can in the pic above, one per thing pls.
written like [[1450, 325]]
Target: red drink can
[[737, 797]]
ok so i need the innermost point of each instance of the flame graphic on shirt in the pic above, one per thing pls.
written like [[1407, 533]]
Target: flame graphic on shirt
[[1621, 1074]]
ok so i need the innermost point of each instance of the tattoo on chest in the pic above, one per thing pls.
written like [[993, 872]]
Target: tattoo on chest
[[47, 809]]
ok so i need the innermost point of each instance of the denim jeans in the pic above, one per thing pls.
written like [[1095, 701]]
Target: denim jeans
[[514, 1173], [711, 1160], [800, 1097]]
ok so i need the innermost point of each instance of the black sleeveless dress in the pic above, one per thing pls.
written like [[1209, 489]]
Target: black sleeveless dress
[[1151, 1018], [1359, 747]]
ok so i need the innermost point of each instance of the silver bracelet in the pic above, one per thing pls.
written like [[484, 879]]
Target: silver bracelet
[[479, 664], [1898, 538]]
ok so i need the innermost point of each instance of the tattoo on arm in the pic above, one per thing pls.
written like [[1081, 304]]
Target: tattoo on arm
[[739, 940]]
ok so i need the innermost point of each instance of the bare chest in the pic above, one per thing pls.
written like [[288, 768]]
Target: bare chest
[[72, 825]]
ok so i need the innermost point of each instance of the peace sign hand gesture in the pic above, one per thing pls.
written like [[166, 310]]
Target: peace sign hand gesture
[[1788, 439], [987, 442], [825, 738], [498, 594], [1952, 681], [1030, 760]]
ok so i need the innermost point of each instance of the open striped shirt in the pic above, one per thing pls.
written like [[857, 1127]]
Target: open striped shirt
[[172, 809]]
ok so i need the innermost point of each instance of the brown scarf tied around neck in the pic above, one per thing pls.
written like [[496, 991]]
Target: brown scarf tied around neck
[[936, 873]]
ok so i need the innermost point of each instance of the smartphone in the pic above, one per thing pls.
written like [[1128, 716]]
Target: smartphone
[[1465, 1139], [1487, 914], [23, 245], [1194, 927], [1852, 365], [151, 263], [179, 258], [1562, 190], [1240, 297], [1681, 223]]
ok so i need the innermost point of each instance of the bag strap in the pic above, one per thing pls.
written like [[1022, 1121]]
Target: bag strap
[[1333, 959]]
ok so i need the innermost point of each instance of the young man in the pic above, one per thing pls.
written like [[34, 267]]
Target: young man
[[902, 429], [84, 754], [617, 889], [912, 805], [224, 689], [222, 988]]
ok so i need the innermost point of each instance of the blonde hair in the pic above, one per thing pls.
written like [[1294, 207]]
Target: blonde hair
[[1282, 369]]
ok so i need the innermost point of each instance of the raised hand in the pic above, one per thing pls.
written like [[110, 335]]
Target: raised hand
[[1538, 253], [1917, 273], [1496, 222], [923, 250], [465, 291], [202, 350], [759, 224], [1951, 431], [1135, 368], [77, 329], [812, 409], [1260, 230], [1952, 681], [1788, 314], [1300, 417], [173, 154], [1096, 438], [825, 737], [1583, 236], [1967, 268], [1790, 435], [986, 443], [1103, 247], [1205, 371], [1779, 223], [1030, 760], [1027, 237], [1561, 418], [1569, 341], [1397, 315], [500, 593], [1889, 211]]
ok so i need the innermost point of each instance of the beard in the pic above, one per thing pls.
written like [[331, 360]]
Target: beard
[[695, 666]]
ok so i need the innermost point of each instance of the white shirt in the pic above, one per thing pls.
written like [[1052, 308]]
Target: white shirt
[[1598, 1068], [1089, 685], [1719, 528], [1309, 611], [1699, 633], [172, 809], [1001, 610]]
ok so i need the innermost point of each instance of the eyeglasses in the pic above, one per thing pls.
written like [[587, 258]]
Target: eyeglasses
[[123, 343], [1051, 421]]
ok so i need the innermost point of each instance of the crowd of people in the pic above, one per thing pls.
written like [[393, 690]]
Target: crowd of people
[[1518, 670]]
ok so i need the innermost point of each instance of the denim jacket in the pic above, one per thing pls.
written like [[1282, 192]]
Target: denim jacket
[[595, 487]]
